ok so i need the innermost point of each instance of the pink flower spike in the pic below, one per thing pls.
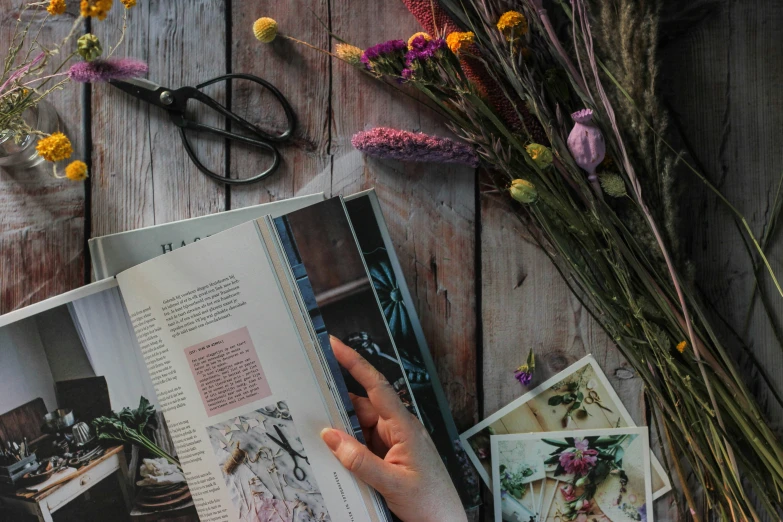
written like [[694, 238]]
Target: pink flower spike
[[383, 142], [105, 70]]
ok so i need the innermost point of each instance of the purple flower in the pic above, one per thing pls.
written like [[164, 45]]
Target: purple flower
[[105, 70], [424, 50], [419, 43], [523, 376], [383, 142], [579, 460], [385, 58], [643, 513]]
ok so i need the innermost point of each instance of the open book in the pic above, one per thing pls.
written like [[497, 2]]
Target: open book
[[228, 337]]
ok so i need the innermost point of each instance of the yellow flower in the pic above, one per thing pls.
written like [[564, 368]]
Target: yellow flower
[[416, 35], [513, 21], [523, 191], [128, 3], [265, 29], [540, 154], [76, 171], [459, 42], [56, 7], [55, 147], [681, 346], [348, 53], [96, 8]]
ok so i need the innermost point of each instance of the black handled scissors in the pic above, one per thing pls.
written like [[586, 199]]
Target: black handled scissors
[[283, 443], [175, 102]]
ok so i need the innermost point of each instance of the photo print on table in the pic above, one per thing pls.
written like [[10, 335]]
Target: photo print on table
[[590, 475], [579, 397], [266, 468]]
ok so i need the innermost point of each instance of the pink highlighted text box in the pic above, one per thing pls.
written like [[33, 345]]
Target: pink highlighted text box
[[227, 372]]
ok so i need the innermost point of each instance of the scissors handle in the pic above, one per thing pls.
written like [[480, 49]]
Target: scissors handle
[[236, 137], [298, 472], [287, 109], [258, 137]]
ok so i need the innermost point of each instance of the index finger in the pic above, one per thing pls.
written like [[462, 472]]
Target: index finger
[[380, 392]]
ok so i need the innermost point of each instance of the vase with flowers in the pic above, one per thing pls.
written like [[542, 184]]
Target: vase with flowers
[[33, 69]]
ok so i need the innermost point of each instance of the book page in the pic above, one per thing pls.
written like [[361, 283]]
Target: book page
[[234, 382]]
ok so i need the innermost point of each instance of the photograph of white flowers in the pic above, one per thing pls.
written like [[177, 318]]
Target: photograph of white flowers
[[588, 475]]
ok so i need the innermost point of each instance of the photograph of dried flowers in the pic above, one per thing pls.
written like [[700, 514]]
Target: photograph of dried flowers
[[602, 477], [578, 398]]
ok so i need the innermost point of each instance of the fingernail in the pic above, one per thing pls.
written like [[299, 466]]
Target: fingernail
[[331, 438]]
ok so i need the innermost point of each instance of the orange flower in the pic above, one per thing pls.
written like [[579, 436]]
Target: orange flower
[[76, 171], [96, 8], [56, 147], [459, 42], [56, 7]]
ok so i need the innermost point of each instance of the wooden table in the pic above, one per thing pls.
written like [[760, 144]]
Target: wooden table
[[484, 293], [46, 502]]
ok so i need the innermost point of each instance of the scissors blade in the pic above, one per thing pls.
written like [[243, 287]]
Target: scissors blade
[[144, 90]]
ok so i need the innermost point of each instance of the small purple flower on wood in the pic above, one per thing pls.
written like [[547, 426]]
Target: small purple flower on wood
[[524, 377], [105, 70], [383, 142]]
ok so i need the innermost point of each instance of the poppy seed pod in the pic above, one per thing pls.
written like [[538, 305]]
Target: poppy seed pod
[[523, 191], [586, 143]]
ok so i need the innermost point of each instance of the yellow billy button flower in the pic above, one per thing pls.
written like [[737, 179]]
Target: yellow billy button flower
[[459, 42], [681, 346], [348, 53], [523, 191], [512, 21], [416, 35], [76, 171], [265, 29], [128, 3], [56, 147], [540, 154], [56, 7]]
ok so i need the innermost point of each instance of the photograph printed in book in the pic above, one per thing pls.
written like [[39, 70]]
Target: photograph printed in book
[[266, 468], [349, 302], [76, 398]]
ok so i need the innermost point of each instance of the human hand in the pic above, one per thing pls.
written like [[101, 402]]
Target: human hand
[[400, 460]]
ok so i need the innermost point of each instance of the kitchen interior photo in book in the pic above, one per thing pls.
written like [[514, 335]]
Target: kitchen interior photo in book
[[62, 369], [379, 328]]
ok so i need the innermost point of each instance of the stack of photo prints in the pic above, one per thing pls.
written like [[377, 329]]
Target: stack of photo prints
[[567, 450]]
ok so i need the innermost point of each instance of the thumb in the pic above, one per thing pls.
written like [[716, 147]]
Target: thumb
[[358, 459]]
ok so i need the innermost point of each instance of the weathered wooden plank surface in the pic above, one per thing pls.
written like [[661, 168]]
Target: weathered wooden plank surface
[[141, 174], [722, 87], [41, 218], [302, 75]]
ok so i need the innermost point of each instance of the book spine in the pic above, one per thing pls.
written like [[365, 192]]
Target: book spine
[[308, 296]]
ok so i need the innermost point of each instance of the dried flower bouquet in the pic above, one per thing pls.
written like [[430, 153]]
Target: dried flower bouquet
[[595, 190], [33, 69]]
